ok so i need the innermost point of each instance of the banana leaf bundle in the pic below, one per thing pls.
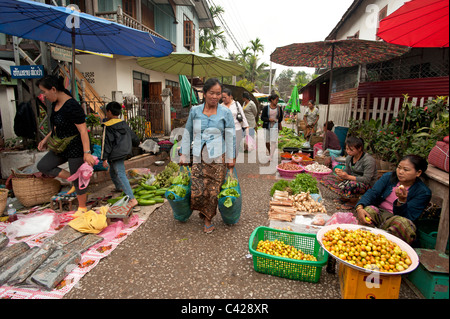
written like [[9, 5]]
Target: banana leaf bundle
[[58, 145]]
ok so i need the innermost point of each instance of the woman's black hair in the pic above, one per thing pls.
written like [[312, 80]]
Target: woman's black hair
[[311, 101], [246, 95], [210, 83], [227, 91], [419, 163], [51, 81], [273, 96], [355, 142], [329, 125]]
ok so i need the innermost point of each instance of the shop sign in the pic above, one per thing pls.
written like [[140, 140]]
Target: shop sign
[[27, 71]]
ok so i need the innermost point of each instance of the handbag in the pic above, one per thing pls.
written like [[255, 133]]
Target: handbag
[[239, 115], [121, 209]]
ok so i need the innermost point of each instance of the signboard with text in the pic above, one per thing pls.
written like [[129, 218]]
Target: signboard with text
[[27, 71]]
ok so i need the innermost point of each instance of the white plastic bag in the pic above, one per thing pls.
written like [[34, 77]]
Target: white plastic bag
[[27, 226], [250, 142], [150, 146]]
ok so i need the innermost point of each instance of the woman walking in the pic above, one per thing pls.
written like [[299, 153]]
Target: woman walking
[[211, 127], [68, 126]]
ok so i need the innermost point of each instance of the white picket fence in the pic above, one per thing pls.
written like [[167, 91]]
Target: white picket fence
[[339, 114], [383, 108]]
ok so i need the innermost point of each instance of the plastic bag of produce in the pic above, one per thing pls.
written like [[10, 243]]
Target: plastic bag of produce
[[4, 241], [15, 264], [56, 268], [342, 218], [179, 195], [230, 199], [33, 261], [12, 251]]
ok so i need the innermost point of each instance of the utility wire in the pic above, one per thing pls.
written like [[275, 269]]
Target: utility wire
[[226, 27]]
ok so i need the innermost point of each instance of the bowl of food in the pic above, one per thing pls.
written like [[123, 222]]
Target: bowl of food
[[318, 170], [289, 170], [396, 256]]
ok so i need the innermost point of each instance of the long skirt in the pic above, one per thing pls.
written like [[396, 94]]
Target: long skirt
[[398, 226], [346, 189], [207, 180]]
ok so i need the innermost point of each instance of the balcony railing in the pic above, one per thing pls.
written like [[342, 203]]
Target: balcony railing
[[122, 18]]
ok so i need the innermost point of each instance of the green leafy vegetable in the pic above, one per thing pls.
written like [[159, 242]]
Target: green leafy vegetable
[[181, 179], [304, 183], [228, 202], [178, 190], [229, 192], [230, 182], [280, 185]]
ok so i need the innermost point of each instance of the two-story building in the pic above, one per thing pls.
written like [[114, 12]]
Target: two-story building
[[111, 77], [421, 73]]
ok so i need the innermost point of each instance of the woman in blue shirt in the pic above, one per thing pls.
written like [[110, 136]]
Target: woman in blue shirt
[[397, 199], [211, 131]]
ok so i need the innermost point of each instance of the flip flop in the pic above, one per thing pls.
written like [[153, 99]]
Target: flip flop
[[136, 209], [208, 229]]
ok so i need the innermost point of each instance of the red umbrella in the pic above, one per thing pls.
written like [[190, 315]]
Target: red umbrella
[[418, 23], [336, 53]]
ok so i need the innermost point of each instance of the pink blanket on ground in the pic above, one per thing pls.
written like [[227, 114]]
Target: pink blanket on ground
[[84, 174]]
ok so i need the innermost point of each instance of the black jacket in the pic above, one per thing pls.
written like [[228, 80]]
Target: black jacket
[[265, 116], [118, 140]]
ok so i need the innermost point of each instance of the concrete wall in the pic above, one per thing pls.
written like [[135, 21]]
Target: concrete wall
[[117, 74], [365, 19], [8, 111]]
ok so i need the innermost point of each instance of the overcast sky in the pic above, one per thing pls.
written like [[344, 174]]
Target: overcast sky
[[280, 22]]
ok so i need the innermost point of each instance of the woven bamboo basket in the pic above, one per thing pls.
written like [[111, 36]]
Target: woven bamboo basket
[[3, 199], [31, 190]]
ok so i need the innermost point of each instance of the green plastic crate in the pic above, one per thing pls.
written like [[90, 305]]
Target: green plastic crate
[[431, 285], [302, 270]]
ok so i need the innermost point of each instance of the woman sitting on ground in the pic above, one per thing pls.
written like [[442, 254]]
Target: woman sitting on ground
[[397, 200], [359, 174], [331, 141]]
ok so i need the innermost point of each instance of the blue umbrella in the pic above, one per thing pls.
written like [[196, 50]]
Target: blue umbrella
[[70, 28]]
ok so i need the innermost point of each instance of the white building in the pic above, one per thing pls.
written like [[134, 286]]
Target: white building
[[109, 77]]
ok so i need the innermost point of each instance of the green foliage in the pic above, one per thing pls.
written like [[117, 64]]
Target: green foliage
[[178, 190], [304, 183], [246, 84], [288, 138], [137, 124], [414, 131], [280, 185]]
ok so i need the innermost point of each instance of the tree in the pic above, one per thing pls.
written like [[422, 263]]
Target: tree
[[210, 39], [256, 46], [302, 79], [285, 83]]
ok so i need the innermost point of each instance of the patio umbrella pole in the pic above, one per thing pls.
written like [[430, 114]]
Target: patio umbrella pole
[[192, 83], [329, 90]]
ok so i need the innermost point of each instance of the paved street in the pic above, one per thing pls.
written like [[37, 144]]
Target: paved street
[[167, 259]]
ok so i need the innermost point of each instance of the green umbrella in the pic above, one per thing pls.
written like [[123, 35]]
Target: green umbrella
[[293, 104], [191, 63], [186, 92]]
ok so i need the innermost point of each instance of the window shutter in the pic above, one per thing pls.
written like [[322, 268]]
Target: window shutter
[[189, 35]]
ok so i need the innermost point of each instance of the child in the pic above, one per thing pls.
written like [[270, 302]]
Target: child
[[117, 142]]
